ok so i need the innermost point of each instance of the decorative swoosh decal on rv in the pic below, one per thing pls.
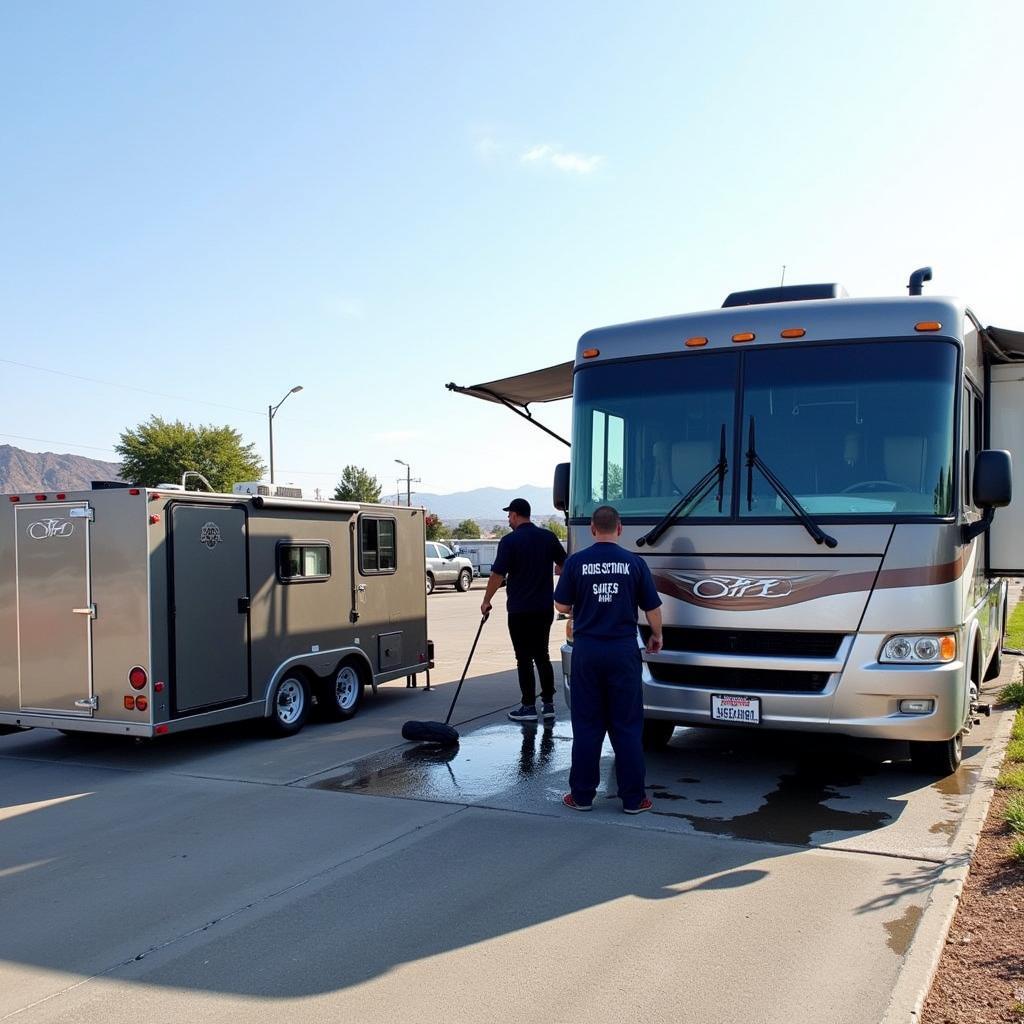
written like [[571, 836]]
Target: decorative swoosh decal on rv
[[744, 592]]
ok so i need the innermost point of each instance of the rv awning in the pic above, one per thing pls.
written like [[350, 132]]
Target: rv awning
[[548, 385], [1008, 346], [520, 392]]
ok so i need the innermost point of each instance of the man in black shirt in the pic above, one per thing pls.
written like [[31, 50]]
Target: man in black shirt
[[528, 557]]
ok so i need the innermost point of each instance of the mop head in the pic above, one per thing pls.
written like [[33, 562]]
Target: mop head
[[430, 732]]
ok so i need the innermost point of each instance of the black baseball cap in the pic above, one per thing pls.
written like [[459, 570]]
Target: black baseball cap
[[520, 506]]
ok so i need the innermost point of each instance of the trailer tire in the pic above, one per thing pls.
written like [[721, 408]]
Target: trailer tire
[[464, 582], [657, 733], [342, 696], [938, 757], [289, 705], [430, 582]]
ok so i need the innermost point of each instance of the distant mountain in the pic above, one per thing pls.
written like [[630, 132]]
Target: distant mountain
[[22, 471], [483, 504]]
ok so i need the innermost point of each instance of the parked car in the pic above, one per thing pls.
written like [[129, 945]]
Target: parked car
[[444, 566]]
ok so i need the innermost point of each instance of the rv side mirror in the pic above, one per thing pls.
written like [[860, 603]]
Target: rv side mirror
[[560, 490], [993, 479]]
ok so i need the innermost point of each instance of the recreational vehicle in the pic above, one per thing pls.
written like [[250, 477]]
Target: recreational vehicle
[[142, 611], [813, 481]]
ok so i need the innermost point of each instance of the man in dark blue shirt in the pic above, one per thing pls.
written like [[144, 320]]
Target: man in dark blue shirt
[[528, 556], [602, 586]]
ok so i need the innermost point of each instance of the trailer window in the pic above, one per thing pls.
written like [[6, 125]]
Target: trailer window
[[377, 545], [303, 563]]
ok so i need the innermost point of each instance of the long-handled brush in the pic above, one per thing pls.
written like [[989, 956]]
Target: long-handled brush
[[441, 732]]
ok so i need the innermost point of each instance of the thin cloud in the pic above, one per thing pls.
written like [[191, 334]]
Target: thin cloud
[[561, 159]]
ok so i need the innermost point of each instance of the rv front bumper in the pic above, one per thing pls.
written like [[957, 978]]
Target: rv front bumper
[[860, 697]]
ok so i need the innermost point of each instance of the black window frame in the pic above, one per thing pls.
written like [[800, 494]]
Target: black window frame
[[284, 545], [363, 571]]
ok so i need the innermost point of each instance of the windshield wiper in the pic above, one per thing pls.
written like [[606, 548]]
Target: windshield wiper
[[753, 459], [694, 496]]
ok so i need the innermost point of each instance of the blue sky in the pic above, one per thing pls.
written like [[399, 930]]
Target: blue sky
[[215, 202]]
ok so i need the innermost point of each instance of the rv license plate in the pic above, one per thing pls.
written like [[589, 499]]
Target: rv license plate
[[729, 708]]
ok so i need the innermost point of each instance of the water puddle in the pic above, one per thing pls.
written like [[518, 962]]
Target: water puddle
[[901, 931], [486, 762]]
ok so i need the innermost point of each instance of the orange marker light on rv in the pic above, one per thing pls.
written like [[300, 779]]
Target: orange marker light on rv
[[744, 336], [589, 353], [792, 332], [947, 648], [696, 342], [928, 325]]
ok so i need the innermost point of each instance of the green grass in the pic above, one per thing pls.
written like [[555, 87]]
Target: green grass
[[1015, 751], [1015, 628], [1011, 778], [1018, 727], [1017, 850], [1012, 693], [1014, 813]]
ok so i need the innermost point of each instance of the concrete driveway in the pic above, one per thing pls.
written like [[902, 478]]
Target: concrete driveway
[[344, 875]]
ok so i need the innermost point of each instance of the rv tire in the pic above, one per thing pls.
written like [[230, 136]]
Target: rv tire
[[464, 582], [342, 695], [289, 705], [938, 757], [657, 733], [430, 582]]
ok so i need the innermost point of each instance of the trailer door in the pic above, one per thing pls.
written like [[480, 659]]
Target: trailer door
[[54, 608], [209, 604]]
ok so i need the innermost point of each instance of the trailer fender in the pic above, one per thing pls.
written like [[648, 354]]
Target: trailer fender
[[313, 662]]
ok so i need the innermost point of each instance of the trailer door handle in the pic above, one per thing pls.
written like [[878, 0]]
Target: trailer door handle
[[243, 605], [89, 610]]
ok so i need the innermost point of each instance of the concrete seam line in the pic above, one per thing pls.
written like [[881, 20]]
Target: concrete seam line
[[922, 961]]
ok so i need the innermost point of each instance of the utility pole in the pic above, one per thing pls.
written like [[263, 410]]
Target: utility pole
[[271, 409], [408, 481]]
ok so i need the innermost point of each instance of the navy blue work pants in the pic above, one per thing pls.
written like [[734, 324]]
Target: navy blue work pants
[[531, 634], [607, 698]]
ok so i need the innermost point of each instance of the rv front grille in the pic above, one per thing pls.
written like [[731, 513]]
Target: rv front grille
[[746, 680], [772, 643]]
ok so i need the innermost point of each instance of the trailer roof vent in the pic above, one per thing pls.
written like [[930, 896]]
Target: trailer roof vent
[[785, 293], [108, 485]]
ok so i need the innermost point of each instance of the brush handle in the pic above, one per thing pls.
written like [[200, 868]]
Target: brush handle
[[466, 669]]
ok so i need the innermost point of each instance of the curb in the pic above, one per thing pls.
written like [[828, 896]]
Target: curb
[[914, 981]]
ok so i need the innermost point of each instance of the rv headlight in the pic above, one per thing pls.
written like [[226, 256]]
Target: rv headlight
[[919, 649]]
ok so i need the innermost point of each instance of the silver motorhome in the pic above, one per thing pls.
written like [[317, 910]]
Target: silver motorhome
[[812, 481], [149, 611]]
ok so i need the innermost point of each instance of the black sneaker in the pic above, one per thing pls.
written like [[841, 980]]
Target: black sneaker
[[523, 713], [549, 710]]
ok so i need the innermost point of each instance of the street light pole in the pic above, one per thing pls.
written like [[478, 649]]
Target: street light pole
[[271, 409], [408, 481]]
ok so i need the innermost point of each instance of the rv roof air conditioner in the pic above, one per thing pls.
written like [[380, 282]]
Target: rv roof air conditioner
[[268, 490], [785, 293]]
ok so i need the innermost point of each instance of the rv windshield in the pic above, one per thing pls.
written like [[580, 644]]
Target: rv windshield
[[856, 429]]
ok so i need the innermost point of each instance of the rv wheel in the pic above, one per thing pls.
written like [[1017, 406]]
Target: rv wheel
[[465, 580], [430, 583], [343, 695], [938, 757], [289, 706], [657, 733]]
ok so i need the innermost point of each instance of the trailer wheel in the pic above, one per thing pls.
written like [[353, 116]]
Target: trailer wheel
[[289, 706], [342, 696], [938, 757], [464, 582], [430, 582], [657, 733]]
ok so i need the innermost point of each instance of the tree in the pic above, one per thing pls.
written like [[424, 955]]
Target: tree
[[158, 452], [467, 530], [557, 527], [500, 531], [357, 485], [435, 528]]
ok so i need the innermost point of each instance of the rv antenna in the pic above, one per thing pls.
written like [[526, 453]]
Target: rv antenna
[[783, 281], [917, 280]]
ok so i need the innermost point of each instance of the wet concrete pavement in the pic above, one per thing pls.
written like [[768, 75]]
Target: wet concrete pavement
[[342, 874]]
